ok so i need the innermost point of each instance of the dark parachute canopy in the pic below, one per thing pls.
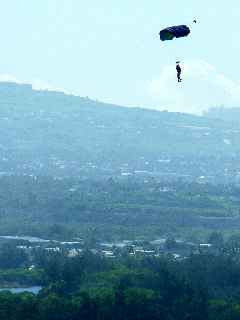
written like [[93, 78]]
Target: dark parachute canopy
[[174, 32]]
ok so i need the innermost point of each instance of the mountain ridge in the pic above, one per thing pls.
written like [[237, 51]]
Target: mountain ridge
[[51, 133]]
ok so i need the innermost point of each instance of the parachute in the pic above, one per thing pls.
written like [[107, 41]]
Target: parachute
[[174, 32]]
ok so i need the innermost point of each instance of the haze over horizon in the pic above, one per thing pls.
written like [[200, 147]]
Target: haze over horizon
[[113, 54]]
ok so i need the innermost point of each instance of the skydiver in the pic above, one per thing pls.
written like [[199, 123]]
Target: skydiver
[[179, 71]]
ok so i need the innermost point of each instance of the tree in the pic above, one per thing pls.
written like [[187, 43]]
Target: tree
[[12, 257], [170, 244], [216, 239], [233, 244]]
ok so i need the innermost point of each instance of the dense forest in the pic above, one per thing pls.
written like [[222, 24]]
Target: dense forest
[[200, 287], [115, 209]]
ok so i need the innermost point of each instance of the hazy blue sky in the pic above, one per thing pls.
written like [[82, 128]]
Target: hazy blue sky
[[109, 50]]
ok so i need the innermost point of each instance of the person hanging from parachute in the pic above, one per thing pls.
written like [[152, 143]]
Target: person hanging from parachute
[[179, 71], [175, 32]]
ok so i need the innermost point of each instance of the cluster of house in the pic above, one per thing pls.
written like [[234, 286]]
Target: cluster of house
[[178, 249]]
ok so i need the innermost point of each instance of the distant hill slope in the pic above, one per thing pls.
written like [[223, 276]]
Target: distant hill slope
[[226, 114], [44, 132]]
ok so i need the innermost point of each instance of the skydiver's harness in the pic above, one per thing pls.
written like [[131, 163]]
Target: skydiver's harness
[[179, 70]]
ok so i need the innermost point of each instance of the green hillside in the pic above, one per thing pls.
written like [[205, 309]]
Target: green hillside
[[50, 133]]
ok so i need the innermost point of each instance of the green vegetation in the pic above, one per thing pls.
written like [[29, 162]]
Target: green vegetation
[[75, 168], [114, 209], [50, 133], [200, 287], [20, 277]]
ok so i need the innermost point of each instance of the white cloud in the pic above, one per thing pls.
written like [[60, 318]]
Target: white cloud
[[202, 87], [40, 85], [36, 84], [9, 78]]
